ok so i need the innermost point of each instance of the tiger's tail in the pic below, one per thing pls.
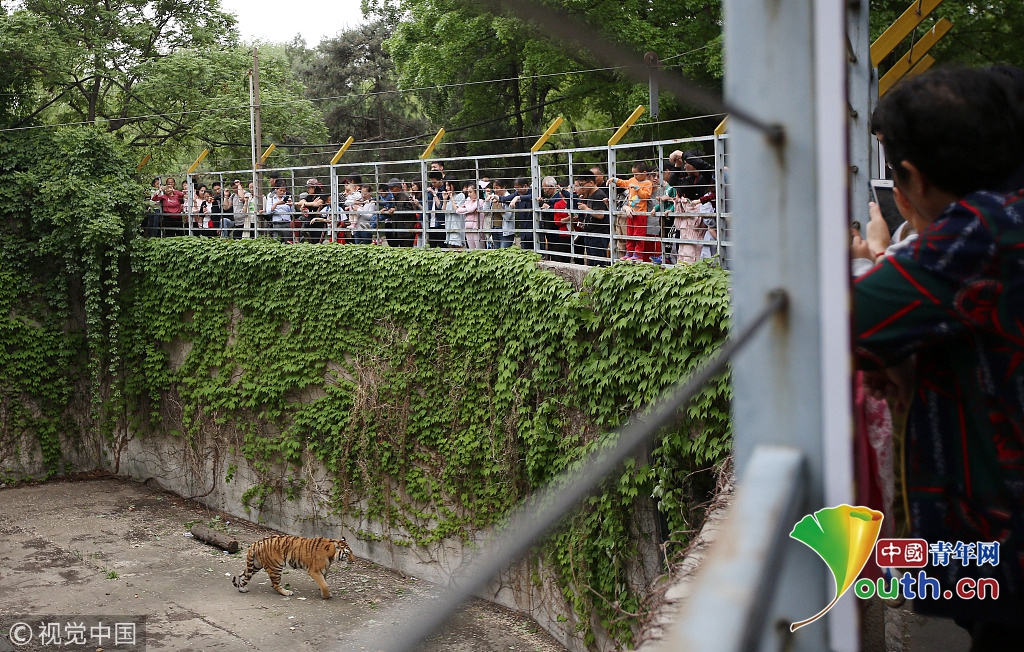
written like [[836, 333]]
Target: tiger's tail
[[242, 580]]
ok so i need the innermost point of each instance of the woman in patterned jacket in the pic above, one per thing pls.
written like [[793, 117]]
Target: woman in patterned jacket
[[951, 308]]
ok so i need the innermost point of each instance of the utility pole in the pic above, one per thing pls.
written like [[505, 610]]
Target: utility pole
[[257, 143], [651, 59]]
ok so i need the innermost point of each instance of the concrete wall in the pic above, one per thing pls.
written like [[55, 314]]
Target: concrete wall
[[20, 457], [197, 469], [169, 463]]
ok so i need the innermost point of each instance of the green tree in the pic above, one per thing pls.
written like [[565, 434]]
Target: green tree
[[357, 74], [450, 45], [21, 52], [982, 33], [165, 75], [94, 50], [201, 100]]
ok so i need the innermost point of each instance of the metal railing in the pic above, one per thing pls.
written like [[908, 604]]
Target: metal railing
[[685, 230]]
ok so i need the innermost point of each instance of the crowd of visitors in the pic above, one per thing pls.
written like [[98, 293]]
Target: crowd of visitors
[[656, 216]]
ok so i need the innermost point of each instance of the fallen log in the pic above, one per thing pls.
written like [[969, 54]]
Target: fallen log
[[215, 538]]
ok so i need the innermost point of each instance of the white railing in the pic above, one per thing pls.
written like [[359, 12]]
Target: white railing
[[705, 232]]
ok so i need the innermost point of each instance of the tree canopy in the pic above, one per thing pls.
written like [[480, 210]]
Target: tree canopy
[[170, 77], [451, 49], [358, 77], [983, 33], [166, 75], [95, 52]]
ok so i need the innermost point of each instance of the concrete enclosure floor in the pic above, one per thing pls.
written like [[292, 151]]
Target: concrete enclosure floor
[[106, 546]]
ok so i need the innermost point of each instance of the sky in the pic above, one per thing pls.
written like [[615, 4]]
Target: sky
[[280, 20]]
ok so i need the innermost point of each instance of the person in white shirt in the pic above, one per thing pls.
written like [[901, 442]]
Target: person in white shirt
[[280, 204], [454, 223], [362, 214], [240, 199], [201, 208]]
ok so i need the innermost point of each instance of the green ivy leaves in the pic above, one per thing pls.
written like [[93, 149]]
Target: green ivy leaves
[[70, 208], [439, 388]]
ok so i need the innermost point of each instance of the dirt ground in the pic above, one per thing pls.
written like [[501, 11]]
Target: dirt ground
[[107, 546]]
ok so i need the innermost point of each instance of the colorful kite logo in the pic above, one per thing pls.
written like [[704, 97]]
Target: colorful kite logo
[[844, 537]]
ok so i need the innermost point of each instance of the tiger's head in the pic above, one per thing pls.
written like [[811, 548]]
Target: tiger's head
[[342, 550]]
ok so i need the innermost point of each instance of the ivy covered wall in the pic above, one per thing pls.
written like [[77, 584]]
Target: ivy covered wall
[[438, 389], [69, 209]]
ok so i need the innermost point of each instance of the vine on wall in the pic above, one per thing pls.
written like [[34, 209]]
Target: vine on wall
[[69, 205], [439, 389]]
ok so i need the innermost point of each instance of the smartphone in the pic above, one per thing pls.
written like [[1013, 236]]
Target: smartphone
[[882, 192]]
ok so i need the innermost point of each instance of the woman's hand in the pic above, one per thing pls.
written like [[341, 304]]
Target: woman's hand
[[894, 384], [860, 249], [877, 231]]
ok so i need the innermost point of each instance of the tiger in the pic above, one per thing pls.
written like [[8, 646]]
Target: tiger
[[312, 555]]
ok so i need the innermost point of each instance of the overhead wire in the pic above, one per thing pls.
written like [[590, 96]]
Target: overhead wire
[[316, 99], [563, 134], [417, 89], [683, 54]]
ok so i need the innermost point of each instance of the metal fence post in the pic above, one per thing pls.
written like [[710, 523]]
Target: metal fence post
[[613, 247], [376, 193], [795, 183], [535, 204], [569, 207], [859, 83], [427, 212], [190, 197], [333, 170], [719, 199], [481, 234]]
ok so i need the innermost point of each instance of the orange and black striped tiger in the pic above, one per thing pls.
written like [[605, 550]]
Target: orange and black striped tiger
[[313, 555]]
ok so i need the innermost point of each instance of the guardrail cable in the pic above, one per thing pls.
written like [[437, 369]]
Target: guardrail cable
[[541, 512]]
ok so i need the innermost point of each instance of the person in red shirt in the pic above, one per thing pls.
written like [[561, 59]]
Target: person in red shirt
[[172, 203], [555, 217]]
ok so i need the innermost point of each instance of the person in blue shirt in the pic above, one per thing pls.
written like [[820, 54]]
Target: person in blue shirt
[[521, 203]]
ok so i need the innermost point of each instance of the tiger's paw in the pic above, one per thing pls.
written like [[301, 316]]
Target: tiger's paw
[[284, 592], [326, 595], [243, 589]]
